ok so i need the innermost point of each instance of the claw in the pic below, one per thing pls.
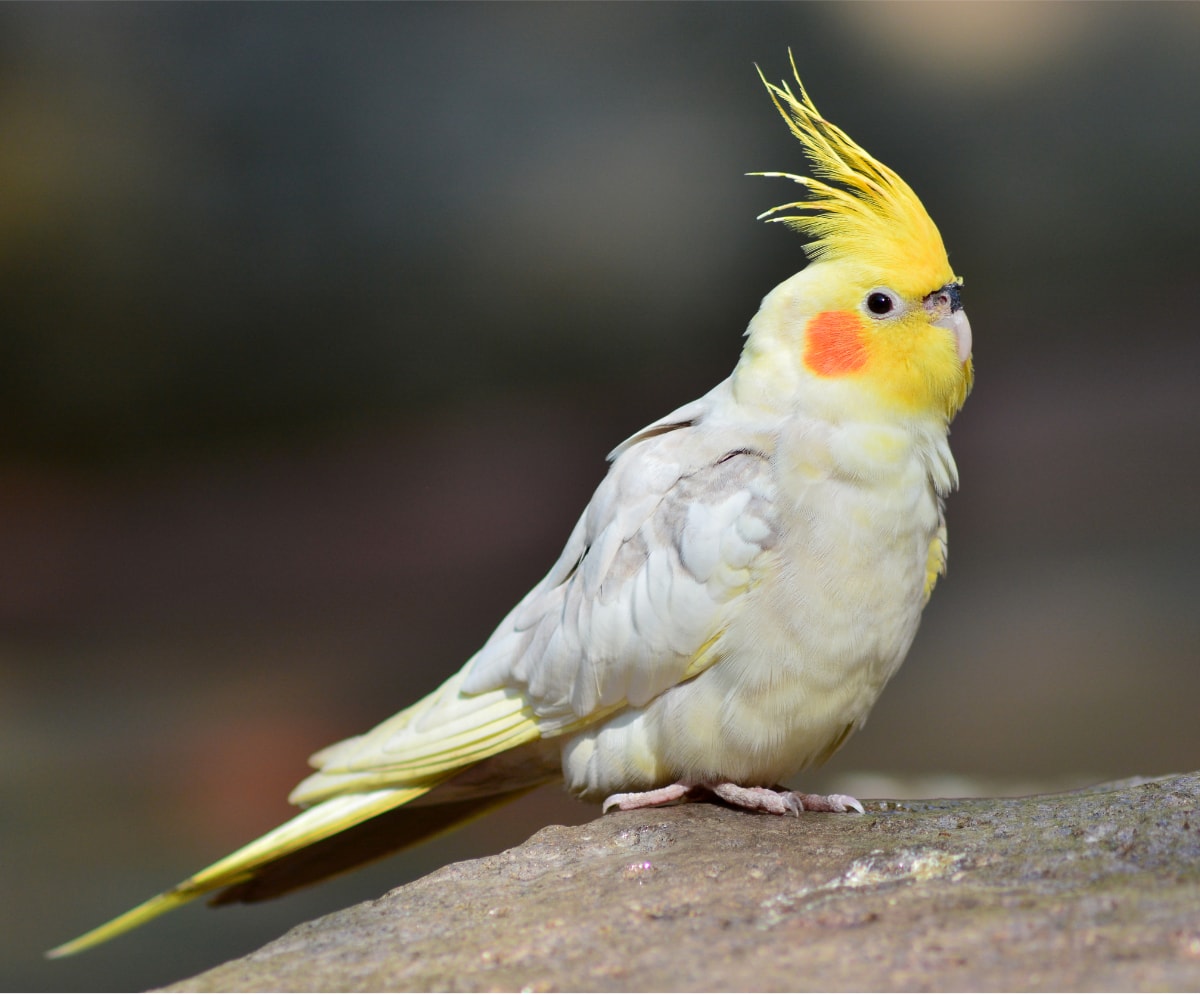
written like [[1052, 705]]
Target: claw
[[753, 799], [831, 803]]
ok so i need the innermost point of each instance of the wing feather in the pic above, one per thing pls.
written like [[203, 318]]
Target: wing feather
[[634, 605], [440, 734], [671, 538]]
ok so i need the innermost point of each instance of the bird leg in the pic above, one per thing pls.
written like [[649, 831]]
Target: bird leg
[[752, 799]]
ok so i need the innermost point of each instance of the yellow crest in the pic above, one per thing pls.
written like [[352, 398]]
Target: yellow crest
[[870, 215]]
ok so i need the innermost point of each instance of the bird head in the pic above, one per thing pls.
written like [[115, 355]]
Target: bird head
[[875, 322]]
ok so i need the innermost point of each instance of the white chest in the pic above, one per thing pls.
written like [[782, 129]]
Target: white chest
[[810, 648]]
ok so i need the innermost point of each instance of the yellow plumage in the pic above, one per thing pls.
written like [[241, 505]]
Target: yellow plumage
[[871, 216], [739, 589]]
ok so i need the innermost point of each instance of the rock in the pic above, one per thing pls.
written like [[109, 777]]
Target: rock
[[1098, 889]]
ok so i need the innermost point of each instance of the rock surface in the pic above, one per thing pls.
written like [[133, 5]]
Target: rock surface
[[1092, 890]]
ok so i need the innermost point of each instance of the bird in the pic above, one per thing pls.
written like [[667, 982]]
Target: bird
[[746, 578]]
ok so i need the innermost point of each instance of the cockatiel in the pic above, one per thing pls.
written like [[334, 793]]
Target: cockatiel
[[743, 583]]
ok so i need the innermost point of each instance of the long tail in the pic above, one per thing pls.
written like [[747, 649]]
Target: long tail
[[240, 869], [463, 752]]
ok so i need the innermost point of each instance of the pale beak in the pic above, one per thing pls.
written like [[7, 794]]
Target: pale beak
[[956, 322], [946, 305]]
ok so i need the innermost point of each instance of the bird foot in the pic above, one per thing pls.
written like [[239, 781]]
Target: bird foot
[[782, 802], [752, 799], [647, 799], [829, 803]]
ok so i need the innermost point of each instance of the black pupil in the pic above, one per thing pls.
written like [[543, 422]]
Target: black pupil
[[879, 303]]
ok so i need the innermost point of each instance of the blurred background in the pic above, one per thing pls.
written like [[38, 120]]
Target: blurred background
[[316, 323]]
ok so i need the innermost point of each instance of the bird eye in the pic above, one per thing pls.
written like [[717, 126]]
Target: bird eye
[[879, 303]]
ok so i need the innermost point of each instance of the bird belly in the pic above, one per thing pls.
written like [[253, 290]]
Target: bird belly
[[800, 663]]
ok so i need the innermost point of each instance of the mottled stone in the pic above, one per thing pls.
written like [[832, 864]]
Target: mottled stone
[[1091, 890]]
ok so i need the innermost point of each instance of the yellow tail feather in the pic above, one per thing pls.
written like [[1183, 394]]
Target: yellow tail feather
[[309, 827], [360, 780]]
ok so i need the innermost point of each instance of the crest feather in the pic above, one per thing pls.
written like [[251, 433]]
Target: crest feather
[[866, 212]]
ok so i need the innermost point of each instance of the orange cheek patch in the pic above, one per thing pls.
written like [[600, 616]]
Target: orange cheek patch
[[833, 343]]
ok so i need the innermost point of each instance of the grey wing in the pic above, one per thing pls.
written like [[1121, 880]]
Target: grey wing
[[675, 534]]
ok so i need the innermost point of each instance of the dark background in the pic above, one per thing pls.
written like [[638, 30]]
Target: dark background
[[317, 321]]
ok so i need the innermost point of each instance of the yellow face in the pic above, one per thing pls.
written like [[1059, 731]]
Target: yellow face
[[879, 305], [912, 351], [840, 339]]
